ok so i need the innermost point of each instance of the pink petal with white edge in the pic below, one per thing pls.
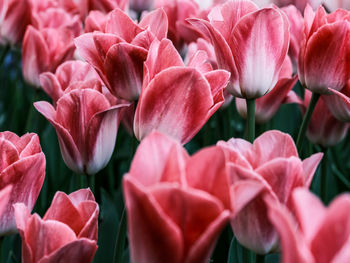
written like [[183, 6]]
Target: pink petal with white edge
[[324, 65], [259, 44], [151, 157], [51, 86], [4, 197], [338, 103], [177, 102], [153, 236]]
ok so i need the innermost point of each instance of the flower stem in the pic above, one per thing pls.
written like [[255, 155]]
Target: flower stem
[[306, 120], [120, 241], [91, 182], [324, 176], [250, 119]]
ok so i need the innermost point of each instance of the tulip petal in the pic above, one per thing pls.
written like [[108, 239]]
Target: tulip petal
[[153, 236], [176, 102], [51, 85], [152, 156], [120, 24], [338, 103], [259, 45], [273, 144], [206, 170], [310, 165], [157, 22], [293, 246], [124, 68], [327, 58], [32, 63], [78, 251]]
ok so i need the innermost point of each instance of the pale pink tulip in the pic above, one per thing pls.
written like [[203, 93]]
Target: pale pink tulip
[[22, 165], [175, 99], [250, 43], [67, 232], [273, 162]]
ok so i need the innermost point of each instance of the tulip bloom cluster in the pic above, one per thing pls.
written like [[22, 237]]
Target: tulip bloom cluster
[[157, 72]]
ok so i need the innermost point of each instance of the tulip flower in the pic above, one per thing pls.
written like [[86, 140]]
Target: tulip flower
[[250, 43], [175, 99], [272, 161], [316, 234], [86, 124], [95, 21], [267, 105], [68, 73], [141, 5], [176, 204], [326, 42], [22, 171], [180, 31], [123, 45], [15, 15], [324, 129], [333, 5], [67, 232], [299, 4]]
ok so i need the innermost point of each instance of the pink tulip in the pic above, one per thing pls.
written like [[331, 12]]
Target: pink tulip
[[107, 5], [296, 22], [316, 234], [273, 162], [118, 53], [267, 105], [67, 232], [69, 75], [180, 31], [22, 165], [300, 4], [250, 43], [15, 15], [95, 21], [86, 124], [338, 103], [176, 204], [175, 99], [324, 129], [325, 45]]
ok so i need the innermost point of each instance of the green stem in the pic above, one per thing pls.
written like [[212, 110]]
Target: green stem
[[245, 255], [324, 176], [250, 119], [91, 182], [32, 109], [4, 53], [260, 258], [120, 241], [306, 120], [1, 247]]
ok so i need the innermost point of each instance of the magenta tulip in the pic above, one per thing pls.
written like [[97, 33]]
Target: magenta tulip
[[250, 43], [316, 234], [67, 232], [176, 204], [175, 99], [22, 165], [273, 162]]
